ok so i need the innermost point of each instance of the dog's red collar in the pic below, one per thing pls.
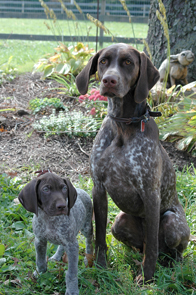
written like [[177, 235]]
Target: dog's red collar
[[143, 119]]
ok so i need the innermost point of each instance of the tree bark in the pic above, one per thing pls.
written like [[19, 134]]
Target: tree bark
[[181, 18]]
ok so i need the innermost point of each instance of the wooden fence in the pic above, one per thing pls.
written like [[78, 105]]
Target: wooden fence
[[107, 11]]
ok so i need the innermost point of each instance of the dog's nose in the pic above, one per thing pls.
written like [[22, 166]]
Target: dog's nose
[[110, 81]]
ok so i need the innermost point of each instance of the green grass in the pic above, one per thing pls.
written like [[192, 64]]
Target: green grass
[[69, 27], [27, 53], [17, 254]]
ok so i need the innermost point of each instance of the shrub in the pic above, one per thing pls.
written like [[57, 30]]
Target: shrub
[[36, 105], [65, 60]]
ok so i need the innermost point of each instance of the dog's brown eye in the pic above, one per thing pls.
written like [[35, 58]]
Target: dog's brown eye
[[103, 61], [128, 62]]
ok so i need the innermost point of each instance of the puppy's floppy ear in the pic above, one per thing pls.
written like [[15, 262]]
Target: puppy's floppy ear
[[148, 77], [83, 77], [28, 196], [72, 194]]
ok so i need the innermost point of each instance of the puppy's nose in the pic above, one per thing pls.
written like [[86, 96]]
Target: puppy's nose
[[110, 81], [60, 207]]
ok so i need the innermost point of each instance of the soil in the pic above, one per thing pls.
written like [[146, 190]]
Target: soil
[[22, 149]]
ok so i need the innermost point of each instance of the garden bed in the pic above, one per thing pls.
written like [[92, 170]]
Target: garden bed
[[22, 148]]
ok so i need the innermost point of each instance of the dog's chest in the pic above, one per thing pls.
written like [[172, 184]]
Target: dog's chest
[[59, 229], [127, 171]]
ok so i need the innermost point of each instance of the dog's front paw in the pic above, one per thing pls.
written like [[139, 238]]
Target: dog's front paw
[[101, 257], [71, 293], [35, 274], [141, 280]]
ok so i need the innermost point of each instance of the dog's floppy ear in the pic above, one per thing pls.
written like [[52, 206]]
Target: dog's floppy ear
[[83, 77], [28, 196], [72, 194], [148, 77]]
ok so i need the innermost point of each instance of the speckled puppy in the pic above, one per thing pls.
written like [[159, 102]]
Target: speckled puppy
[[61, 211], [129, 163]]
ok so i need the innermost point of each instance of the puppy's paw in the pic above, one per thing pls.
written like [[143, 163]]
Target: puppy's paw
[[55, 257], [35, 274]]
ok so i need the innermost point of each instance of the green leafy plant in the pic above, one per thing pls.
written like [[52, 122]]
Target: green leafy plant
[[36, 104], [72, 123], [7, 71], [69, 86], [65, 60], [181, 127]]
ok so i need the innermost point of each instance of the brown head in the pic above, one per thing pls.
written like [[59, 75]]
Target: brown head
[[120, 68], [53, 194]]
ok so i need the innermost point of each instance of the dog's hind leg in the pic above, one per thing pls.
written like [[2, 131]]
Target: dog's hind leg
[[128, 229], [174, 232]]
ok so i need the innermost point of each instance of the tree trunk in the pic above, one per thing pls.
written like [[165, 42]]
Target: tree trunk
[[181, 17]]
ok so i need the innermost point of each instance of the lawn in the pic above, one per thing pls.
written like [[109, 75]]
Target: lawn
[[17, 254], [26, 53], [69, 27]]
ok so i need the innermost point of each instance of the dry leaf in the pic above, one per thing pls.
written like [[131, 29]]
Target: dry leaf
[[65, 258], [137, 262], [2, 129], [16, 260], [90, 259], [12, 174], [13, 282]]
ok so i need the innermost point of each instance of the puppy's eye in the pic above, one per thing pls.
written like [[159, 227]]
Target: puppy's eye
[[103, 61], [128, 62], [64, 189], [183, 54], [46, 189]]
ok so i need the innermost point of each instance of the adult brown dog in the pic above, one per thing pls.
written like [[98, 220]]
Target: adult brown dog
[[129, 163]]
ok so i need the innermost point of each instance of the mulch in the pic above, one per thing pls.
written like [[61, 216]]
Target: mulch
[[23, 149]]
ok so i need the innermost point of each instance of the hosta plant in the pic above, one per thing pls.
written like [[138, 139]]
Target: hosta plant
[[65, 60], [181, 127]]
